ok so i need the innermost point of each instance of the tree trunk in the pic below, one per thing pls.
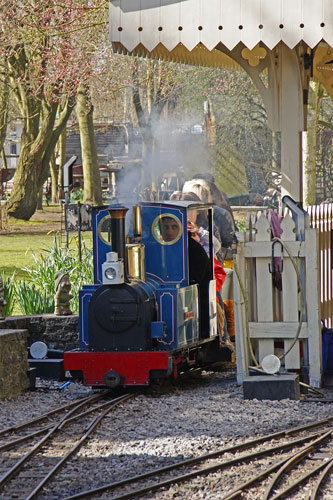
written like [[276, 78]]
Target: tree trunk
[[40, 199], [62, 161], [276, 148], [30, 174], [38, 141], [22, 203], [3, 157], [53, 195], [91, 175], [4, 105], [147, 121], [311, 153]]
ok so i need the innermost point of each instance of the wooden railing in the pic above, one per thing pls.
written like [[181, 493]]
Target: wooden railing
[[321, 218]]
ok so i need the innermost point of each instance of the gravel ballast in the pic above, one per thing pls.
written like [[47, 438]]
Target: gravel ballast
[[163, 426]]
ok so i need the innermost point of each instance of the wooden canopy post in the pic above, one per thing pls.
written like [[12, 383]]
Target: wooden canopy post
[[284, 90], [292, 100]]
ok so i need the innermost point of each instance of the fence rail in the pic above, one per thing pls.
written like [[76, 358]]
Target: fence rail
[[321, 218]]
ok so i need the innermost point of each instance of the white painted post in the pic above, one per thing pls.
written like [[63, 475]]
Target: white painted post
[[290, 294], [292, 123], [313, 307], [264, 286], [242, 350]]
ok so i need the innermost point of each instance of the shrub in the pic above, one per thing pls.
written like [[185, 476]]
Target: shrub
[[55, 259], [77, 195], [33, 300]]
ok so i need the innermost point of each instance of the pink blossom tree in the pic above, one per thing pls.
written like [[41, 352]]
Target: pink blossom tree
[[47, 51]]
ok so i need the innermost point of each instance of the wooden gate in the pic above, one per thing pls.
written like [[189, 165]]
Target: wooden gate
[[271, 317]]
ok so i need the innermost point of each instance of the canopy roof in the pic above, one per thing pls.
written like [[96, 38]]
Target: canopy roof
[[191, 205], [202, 32], [209, 22]]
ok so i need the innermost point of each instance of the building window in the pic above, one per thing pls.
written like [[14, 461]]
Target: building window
[[13, 150]]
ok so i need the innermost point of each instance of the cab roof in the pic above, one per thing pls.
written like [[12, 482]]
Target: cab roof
[[191, 205]]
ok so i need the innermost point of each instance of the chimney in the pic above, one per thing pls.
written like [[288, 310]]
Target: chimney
[[117, 216]]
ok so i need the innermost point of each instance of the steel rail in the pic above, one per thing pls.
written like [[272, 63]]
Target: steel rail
[[92, 427], [243, 446], [294, 461], [316, 400], [14, 428], [320, 480], [23, 439], [185, 477], [44, 416], [301, 480], [238, 490], [19, 464]]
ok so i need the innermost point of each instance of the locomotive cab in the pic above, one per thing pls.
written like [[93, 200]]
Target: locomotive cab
[[174, 262]]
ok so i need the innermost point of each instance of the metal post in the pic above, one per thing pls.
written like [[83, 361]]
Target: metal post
[[66, 187], [66, 229], [79, 230]]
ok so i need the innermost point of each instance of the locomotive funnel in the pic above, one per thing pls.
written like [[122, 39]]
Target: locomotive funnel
[[117, 216], [137, 222]]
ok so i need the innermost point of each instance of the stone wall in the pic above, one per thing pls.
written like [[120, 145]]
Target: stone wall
[[13, 363], [58, 332], [17, 333]]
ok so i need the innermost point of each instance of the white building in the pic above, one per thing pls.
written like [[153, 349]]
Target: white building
[[12, 144]]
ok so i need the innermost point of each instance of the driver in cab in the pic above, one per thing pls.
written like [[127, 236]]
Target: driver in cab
[[169, 229]]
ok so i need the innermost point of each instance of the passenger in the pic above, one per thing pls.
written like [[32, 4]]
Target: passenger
[[199, 265], [202, 236], [169, 228], [200, 273], [197, 223], [219, 197], [222, 219], [176, 195]]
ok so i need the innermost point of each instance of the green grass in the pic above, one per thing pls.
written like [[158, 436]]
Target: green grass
[[20, 249], [16, 251]]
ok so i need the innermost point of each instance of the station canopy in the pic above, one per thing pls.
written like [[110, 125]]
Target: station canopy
[[205, 32]]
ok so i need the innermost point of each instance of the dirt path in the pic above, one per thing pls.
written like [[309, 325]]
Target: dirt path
[[43, 221]]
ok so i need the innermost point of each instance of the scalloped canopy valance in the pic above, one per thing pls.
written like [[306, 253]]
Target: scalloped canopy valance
[[149, 23]]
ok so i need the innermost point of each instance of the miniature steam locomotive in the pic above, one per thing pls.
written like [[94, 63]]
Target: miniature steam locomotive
[[140, 320]]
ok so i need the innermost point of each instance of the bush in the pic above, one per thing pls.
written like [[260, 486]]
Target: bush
[[32, 300], [41, 281], [77, 195]]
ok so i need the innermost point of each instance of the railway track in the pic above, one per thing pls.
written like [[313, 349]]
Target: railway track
[[32, 453], [275, 466]]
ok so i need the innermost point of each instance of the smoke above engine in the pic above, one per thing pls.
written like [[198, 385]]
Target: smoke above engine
[[175, 152]]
